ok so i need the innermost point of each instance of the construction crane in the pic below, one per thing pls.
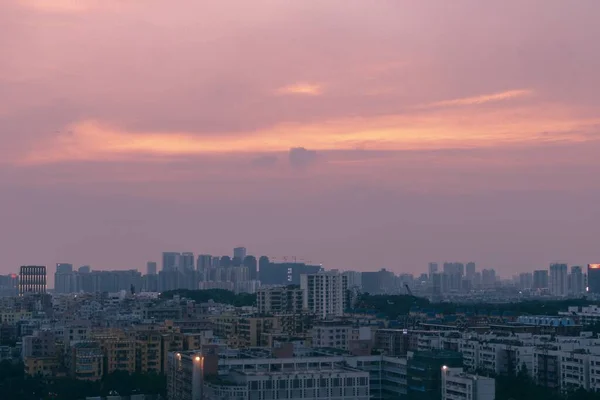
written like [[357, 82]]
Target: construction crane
[[410, 293]]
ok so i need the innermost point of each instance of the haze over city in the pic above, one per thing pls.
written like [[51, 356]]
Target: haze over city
[[356, 134]]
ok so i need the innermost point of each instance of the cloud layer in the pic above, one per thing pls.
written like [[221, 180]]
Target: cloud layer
[[314, 112]]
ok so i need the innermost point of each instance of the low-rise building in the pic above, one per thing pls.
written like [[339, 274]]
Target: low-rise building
[[457, 385]]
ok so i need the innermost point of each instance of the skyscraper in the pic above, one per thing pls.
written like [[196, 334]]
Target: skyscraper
[[252, 265], [239, 252], [170, 261], [84, 269], [488, 278], [593, 276], [540, 279], [558, 279], [433, 269], [32, 279], [151, 268], [64, 278], [187, 261], [470, 270], [263, 263], [576, 281], [525, 280], [204, 262]]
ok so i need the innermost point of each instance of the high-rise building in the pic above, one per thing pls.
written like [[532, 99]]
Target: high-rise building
[[204, 262], [151, 268], [9, 285], [378, 282], [63, 268], [239, 252], [187, 261], [325, 293], [252, 265], [540, 279], [433, 269], [354, 279], [64, 278], [454, 272], [85, 269], [488, 278], [593, 278], [285, 273], [576, 281], [470, 270], [525, 280], [225, 261], [263, 262], [558, 279], [170, 261], [32, 279]]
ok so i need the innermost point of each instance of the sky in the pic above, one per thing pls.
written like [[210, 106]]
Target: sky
[[357, 134]]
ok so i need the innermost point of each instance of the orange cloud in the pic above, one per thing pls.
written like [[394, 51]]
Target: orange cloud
[[90, 140], [307, 89], [71, 6], [486, 98]]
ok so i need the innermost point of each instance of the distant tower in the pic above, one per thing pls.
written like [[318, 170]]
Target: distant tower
[[32, 279], [593, 277], [225, 261], [558, 279], [239, 252], [187, 262], [85, 269], [170, 261], [470, 270], [263, 263], [252, 265], [151, 268], [433, 268], [204, 262]]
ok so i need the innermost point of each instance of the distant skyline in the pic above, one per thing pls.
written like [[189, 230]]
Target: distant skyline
[[357, 134]]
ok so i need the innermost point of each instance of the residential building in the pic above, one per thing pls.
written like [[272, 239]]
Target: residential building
[[85, 360], [280, 299], [558, 280], [540, 279], [32, 279], [457, 385], [325, 293]]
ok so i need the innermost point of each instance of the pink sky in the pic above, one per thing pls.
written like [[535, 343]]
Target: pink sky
[[358, 134]]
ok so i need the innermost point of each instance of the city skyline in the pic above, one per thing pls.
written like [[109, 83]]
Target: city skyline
[[357, 134], [186, 260]]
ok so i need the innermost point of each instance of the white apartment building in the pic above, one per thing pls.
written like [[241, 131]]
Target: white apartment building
[[594, 372], [325, 293], [586, 315], [279, 299], [575, 370], [457, 385], [559, 280], [337, 335], [338, 384]]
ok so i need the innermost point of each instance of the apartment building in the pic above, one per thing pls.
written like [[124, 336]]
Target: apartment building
[[280, 299], [85, 360], [338, 335], [594, 372], [546, 367], [325, 293], [457, 385], [574, 370]]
